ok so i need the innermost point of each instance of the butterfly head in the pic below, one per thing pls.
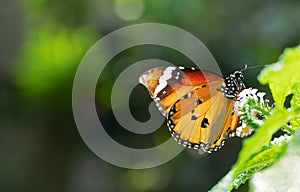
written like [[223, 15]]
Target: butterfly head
[[233, 85]]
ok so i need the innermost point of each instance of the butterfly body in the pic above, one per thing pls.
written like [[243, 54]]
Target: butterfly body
[[198, 105]]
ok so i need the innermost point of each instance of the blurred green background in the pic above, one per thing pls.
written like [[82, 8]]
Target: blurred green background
[[43, 41]]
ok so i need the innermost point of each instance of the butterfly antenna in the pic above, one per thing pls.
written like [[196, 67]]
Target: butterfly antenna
[[252, 67]]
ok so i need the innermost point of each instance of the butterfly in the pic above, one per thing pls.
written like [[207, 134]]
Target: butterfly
[[199, 105]]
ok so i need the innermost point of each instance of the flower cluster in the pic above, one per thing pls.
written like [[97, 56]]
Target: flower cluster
[[252, 108]]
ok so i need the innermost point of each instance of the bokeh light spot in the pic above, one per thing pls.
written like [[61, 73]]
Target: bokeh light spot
[[129, 9]]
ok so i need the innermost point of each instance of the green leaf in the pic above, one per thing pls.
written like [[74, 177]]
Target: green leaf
[[264, 158], [282, 75], [257, 153], [260, 160], [262, 137], [295, 103], [284, 174]]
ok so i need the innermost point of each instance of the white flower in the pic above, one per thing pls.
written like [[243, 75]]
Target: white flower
[[243, 96]]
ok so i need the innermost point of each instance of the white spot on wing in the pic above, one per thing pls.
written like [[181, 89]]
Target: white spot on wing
[[162, 82], [160, 86]]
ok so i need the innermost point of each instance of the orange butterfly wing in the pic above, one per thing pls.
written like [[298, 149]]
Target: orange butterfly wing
[[203, 119], [199, 115], [166, 85]]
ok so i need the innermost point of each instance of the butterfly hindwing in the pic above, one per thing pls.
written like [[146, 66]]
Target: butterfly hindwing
[[199, 120]]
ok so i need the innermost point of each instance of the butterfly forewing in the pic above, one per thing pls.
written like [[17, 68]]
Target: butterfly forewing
[[166, 85]]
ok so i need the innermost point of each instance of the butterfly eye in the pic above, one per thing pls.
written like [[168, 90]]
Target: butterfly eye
[[239, 76]]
